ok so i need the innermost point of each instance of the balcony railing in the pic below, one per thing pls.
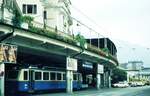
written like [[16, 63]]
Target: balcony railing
[[71, 38]]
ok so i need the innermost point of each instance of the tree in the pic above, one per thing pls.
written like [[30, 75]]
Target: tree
[[118, 75]]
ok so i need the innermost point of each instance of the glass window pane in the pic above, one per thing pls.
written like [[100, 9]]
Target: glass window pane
[[29, 8], [24, 9], [25, 76], [58, 76], [45, 75], [11, 74], [38, 76], [53, 76]]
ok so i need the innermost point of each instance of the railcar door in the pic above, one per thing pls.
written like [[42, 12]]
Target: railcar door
[[31, 80]]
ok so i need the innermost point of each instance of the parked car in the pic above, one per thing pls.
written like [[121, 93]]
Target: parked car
[[147, 83], [140, 84], [134, 84], [121, 85]]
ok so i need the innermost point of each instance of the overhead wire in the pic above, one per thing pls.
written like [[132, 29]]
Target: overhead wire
[[91, 20]]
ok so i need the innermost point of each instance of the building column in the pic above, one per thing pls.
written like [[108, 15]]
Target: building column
[[109, 78], [98, 83], [104, 76], [2, 80], [71, 65], [106, 79], [128, 78], [100, 70], [69, 79]]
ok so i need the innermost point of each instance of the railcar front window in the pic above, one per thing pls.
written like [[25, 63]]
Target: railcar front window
[[12, 75], [25, 76]]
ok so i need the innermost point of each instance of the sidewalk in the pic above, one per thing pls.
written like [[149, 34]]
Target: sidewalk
[[85, 92]]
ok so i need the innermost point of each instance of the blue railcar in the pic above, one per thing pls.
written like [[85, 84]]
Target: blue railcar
[[31, 80]]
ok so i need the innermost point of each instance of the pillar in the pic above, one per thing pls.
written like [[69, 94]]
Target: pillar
[[71, 65], [109, 81], [109, 78], [104, 80], [100, 70], [2, 80], [69, 79], [98, 83]]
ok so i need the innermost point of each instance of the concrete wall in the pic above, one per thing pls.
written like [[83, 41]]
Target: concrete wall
[[57, 13], [7, 13]]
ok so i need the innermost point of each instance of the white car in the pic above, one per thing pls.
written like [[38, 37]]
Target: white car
[[140, 84], [133, 84], [121, 85]]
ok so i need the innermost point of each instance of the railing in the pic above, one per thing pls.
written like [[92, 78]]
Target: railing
[[58, 32], [90, 47]]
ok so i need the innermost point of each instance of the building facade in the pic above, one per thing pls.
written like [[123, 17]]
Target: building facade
[[7, 8], [132, 65], [136, 71], [43, 50], [48, 13], [33, 8]]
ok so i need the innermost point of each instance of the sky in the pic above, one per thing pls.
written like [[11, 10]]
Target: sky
[[127, 22]]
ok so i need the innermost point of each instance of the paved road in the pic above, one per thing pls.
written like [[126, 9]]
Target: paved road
[[130, 91]]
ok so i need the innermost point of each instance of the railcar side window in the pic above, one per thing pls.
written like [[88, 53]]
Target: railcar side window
[[64, 76], [58, 76], [45, 75], [53, 76], [25, 76], [38, 76]]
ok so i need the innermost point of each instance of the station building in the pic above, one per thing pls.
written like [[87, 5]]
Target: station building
[[35, 55]]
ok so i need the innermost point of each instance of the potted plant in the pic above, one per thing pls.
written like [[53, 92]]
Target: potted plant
[[80, 41]]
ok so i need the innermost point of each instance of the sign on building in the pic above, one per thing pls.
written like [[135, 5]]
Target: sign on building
[[87, 65], [1, 70], [100, 69], [8, 53], [71, 64]]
